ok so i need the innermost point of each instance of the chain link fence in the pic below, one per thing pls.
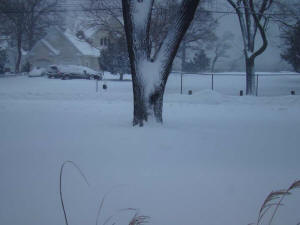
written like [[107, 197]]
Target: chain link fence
[[267, 83]]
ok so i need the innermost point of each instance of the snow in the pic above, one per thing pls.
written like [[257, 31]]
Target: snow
[[140, 13], [83, 47], [213, 161], [150, 74], [37, 72], [50, 47], [91, 31]]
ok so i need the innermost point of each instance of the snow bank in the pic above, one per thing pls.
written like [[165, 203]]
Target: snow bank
[[215, 154]]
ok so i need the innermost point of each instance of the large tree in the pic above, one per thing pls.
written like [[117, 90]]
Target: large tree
[[199, 35], [150, 71], [253, 20]]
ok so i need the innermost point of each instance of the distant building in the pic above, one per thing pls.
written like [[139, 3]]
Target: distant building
[[66, 48]]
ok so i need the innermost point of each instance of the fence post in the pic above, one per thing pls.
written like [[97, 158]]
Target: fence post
[[212, 81], [257, 85], [181, 74]]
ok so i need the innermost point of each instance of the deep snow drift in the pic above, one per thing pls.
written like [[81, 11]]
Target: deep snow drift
[[212, 162]]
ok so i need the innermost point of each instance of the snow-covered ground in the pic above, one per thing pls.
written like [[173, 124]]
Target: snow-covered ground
[[212, 162]]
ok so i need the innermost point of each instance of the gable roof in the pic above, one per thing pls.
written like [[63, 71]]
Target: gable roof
[[50, 47], [82, 46]]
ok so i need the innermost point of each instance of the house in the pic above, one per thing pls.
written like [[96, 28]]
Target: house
[[66, 48], [82, 47]]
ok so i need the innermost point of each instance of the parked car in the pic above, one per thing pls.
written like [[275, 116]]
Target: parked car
[[72, 72], [53, 72], [37, 72]]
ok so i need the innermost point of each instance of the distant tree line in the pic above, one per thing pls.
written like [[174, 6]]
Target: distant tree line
[[26, 22], [200, 34], [291, 51], [289, 22]]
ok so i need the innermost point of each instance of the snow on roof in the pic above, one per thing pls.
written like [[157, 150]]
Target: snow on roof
[[48, 45], [24, 52], [121, 20], [91, 31], [3, 43], [82, 46]]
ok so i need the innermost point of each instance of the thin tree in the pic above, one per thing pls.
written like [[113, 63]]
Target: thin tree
[[221, 47], [41, 14], [14, 15], [150, 74], [253, 20]]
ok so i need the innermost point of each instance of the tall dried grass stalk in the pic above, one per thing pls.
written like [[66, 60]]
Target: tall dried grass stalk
[[136, 220], [60, 184], [139, 220], [274, 199]]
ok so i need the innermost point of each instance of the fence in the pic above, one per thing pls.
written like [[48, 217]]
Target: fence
[[267, 83]]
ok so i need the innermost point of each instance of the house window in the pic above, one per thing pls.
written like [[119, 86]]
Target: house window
[[104, 41]]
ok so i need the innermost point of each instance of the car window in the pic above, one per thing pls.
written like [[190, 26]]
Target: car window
[[54, 68]]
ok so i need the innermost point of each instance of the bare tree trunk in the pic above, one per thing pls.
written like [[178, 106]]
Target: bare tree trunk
[[250, 76], [147, 106], [121, 76], [250, 21], [19, 54], [183, 56], [149, 75]]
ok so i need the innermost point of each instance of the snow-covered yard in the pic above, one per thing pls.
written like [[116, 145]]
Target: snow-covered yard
[[212, 162]]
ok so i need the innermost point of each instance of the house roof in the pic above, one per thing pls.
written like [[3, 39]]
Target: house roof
[[91, 31], [3, 42], [82, 46], [50, 47]]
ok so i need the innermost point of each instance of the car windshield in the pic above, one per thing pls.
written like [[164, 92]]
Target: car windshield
[[53, 68]]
